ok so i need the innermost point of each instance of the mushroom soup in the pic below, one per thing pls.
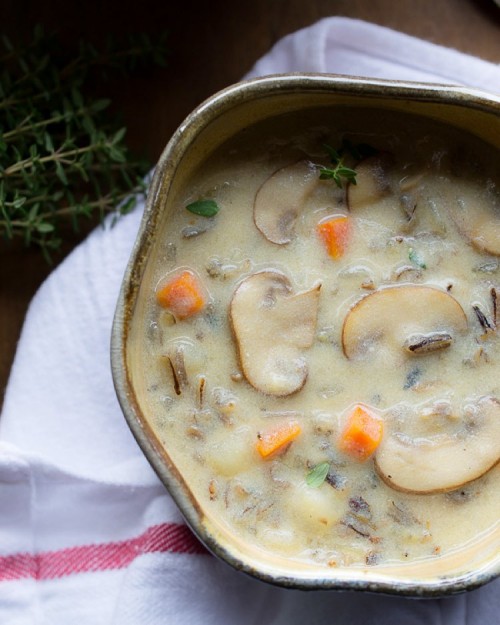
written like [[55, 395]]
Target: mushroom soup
[[321, 348]]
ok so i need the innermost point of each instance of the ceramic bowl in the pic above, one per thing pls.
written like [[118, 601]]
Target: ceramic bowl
[[212, 123]]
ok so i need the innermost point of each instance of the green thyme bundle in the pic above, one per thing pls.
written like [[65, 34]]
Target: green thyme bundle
[[62, 156]]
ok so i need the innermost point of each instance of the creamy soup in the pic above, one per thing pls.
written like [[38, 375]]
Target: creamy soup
[[321, 349]]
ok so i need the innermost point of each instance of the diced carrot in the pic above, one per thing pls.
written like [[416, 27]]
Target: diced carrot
[[362, 433], [183, 295], [276, 440], [335, 233]]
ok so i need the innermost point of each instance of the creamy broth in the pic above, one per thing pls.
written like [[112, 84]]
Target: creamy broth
[[400, 321]]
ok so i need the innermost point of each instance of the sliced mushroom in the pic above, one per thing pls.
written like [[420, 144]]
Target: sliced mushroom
[[372, 183], [376, 196], [441, 463], [273, 326], [390, 195], [280, 200], [476, 213], [390, 316]]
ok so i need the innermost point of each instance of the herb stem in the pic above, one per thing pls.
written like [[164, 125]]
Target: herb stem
[[29, 99], [28, 163], [108, 201], [25, 126]]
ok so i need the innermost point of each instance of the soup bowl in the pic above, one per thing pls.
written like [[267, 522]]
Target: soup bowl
[[207, 476]]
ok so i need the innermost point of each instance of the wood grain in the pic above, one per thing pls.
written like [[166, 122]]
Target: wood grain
[[211, 45]]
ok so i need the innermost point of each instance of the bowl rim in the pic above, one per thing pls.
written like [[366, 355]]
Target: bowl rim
[[183, 137]]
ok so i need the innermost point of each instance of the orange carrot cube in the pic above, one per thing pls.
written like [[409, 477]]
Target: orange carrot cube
[[362, 433], [183, 295], [335, 233], [275, 441]]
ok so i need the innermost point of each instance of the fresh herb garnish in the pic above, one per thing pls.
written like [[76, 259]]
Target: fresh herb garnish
[[317, 475], [416, 259], [341, 173], [205, 208], [62, 155]]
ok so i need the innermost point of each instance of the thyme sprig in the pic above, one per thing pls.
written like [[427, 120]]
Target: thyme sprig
[[341, 173], [62, 155]]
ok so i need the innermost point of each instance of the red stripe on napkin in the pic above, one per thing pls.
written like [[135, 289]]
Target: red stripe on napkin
[[167, 537]]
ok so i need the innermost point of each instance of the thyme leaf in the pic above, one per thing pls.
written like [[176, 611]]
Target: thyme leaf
[[317, 475], [205, 208]]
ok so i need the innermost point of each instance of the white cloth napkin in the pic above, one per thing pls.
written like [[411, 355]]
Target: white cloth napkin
[[87, 532]]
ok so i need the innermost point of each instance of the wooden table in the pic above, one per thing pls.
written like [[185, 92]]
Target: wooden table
[[212, 44]]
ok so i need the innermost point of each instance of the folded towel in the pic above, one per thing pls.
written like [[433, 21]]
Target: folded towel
[[87, 532]]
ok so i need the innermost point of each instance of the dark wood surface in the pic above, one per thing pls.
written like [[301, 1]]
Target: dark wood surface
[[211, 45]]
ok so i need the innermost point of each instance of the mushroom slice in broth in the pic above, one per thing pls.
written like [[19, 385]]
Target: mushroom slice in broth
[[442, 462], [390, 316], [280, 199], [272, 326], [476, 213], [375, 194]]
